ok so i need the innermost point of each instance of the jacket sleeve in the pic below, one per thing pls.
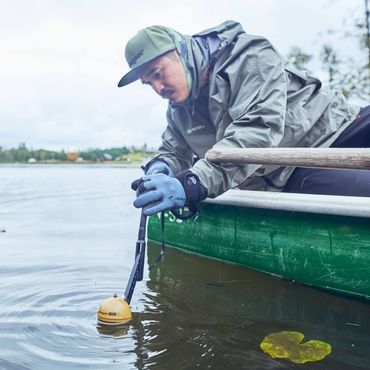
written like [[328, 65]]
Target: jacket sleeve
[[174, 150], [254, 84]]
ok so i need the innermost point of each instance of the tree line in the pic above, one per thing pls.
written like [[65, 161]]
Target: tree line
[[22, 154]]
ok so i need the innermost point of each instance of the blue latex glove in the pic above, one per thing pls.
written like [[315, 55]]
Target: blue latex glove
[[159, 192], [159, 167]]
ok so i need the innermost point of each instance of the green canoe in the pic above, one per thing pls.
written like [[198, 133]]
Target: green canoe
[[319, 240]]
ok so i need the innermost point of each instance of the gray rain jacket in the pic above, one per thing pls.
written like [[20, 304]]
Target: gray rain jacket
[[245, 96]]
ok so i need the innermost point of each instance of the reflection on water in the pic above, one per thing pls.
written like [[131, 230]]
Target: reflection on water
[[69, 240], [202, 313]]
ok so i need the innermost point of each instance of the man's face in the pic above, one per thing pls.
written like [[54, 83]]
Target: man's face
[[166, 76]]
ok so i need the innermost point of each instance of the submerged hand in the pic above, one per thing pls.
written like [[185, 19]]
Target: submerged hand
[[158, 192]]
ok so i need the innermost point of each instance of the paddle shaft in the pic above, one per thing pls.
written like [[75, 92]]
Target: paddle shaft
[[349, 158]]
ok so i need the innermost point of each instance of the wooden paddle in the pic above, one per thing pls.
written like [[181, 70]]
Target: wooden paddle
[[350, 158]]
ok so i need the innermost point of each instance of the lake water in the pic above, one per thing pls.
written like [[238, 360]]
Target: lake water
[[67, 243]]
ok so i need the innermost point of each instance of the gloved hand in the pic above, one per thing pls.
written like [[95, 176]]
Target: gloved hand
[[158, 167], [158, 192]]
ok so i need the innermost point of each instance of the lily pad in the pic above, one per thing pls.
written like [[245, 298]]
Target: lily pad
[[287, 344]]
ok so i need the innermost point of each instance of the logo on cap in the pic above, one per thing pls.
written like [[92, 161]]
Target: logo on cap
[[136, 57]]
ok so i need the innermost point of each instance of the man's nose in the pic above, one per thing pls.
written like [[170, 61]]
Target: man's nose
[[157, 87]]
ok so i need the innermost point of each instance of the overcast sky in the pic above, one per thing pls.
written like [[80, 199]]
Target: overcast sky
[[60, 62]]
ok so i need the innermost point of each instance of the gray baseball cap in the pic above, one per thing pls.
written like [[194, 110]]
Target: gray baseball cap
[[148, 44]]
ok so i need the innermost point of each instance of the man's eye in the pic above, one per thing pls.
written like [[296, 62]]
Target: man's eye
[[157, 74]]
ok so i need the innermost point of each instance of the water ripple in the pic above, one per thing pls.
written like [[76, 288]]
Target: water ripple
[[56, 327]]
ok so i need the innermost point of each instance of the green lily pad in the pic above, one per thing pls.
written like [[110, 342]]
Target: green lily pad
[[287, 344]]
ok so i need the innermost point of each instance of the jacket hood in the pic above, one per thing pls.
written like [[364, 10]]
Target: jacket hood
[[203, 49], [226, 32]]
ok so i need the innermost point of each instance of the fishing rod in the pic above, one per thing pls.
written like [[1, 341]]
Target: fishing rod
[[137, 271], [114, 310]]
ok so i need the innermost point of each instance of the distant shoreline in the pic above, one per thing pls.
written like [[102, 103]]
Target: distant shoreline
[[90, 164]]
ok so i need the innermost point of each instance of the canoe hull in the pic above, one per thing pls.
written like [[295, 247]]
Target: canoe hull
[[326, 251]]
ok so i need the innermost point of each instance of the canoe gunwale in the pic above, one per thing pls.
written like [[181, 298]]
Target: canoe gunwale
[[310, 203]]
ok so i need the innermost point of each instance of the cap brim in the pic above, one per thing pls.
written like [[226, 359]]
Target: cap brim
[[133, 75], [129, 77]]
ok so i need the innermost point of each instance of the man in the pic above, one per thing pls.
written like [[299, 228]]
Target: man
[[228, 89]]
